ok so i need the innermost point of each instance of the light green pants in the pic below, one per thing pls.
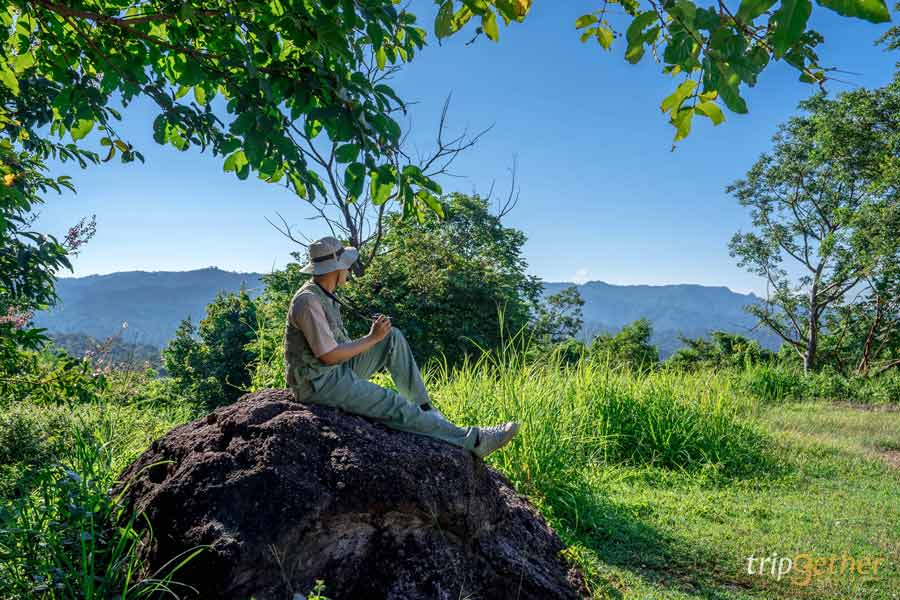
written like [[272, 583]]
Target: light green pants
[[348, 387]]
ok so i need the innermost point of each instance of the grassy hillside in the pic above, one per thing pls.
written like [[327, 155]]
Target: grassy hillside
[[662, 486]]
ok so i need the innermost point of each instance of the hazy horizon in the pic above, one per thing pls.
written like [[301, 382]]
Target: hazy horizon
[[736, 291]]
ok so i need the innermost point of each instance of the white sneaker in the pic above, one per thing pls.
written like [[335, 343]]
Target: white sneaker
[[494, 437]]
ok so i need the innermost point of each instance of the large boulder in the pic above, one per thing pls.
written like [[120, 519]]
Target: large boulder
[[284, 493]]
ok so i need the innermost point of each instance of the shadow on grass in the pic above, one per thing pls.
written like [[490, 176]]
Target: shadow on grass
[[600, 533]]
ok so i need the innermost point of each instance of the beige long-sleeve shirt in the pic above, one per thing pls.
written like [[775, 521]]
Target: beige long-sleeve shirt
[[308, 316]]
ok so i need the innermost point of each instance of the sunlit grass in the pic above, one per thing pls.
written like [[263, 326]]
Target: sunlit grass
[[590, 415]]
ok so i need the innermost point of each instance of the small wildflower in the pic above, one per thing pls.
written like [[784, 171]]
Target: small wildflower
[[80, 233], [16, 319]]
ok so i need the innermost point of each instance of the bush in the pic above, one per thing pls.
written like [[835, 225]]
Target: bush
[[772, 383], [630, 347], [216, 368], [48, 377], [61, 535]]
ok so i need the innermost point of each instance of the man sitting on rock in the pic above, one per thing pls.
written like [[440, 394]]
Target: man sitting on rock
[[324, 366]]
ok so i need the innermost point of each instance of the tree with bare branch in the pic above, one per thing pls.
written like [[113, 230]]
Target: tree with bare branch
[[811, 199], [356, 203]]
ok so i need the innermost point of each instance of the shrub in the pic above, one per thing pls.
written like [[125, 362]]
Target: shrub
[[62, 535]]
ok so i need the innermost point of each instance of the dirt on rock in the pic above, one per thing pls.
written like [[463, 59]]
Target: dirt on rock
[[282, 494]]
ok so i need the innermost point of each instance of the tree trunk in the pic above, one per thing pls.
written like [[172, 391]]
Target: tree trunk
[[812, 335], [812, 332], [863, 367], [809, 356]]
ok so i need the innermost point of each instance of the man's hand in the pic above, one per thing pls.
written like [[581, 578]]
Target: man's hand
[[381, 327]]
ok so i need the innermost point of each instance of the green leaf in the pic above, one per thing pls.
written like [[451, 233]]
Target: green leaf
[[381, 57], [431, 201], [635, 35], [634, 53], [299, 186], [354, 178], [235, 161], [585, 20], [443, 22], [312, 127], [489, 25], [790, 23], [682, 122], [710, 110], [381, 184], [727, 86], [200, 94], [605, 37], [673, 102], [81, 128], [22, 62], [346, 153], [875, 11], [635, 31], [750, 9], [8, 79]]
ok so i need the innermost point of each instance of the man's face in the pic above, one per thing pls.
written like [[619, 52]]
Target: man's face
[[342, 276]]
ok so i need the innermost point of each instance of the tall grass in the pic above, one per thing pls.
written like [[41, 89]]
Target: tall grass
[[590, 414], [61, 534]]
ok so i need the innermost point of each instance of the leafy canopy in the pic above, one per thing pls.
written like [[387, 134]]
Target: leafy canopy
[[250, 80], [242, 79]]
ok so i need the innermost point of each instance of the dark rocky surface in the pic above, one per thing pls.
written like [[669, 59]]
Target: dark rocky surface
[[286, 493]]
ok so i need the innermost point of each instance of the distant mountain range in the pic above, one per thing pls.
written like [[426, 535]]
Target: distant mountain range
[[684, 309], [153, 303]]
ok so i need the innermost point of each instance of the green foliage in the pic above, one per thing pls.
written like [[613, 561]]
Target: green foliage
[[48, 377], [825, 201], [216, 368], [559, 318], [568, 352], [891, 37], [29, 260], [280, 70], [451, 19], [61, 534], [718, 50], [722, 350], [629, 348]]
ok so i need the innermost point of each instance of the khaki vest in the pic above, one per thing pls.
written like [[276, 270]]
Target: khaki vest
[[300, 364]]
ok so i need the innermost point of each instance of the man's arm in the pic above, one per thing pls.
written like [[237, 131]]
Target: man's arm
[[379, 330]]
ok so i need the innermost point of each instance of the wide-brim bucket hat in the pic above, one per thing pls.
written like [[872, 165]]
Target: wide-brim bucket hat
[[327, 255]]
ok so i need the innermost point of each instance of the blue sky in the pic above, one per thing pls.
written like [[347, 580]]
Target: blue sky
[[602, 195]]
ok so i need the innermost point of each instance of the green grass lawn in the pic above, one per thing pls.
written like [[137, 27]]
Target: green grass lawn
[[655, 533]]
